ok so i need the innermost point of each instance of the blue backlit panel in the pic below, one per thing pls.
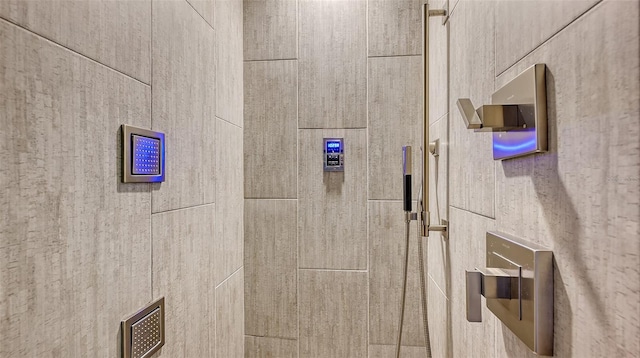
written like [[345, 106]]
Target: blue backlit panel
[[146, 155], [514, 144]]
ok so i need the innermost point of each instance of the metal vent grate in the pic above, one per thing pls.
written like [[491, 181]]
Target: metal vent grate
[[143, 333]]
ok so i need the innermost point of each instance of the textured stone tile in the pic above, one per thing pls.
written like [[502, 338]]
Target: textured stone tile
[[468, 236], [439, 59], [332, 316], [229, 242], [395, 27], [230, 316], [521, 26], [270, 29], [395, 120], [438, 244], [332, 207], [386, 258], [581, 199], [266, 347], [205, 8], [183, 258], [333, 64], [271, 268], [229, 71], [472, 167], [270, 131], [74, 241], [440, 332], [92, 28], [381, 351], [183, 104]]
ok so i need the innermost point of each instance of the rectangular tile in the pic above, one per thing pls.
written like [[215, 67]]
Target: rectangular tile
[[270, 129], [581, 199], [467, 240], [472, 169], [271, 268], [438, 248], [395, 120], [183, 105], [439, 59], [440, 330], [333, 64], [92, 28], [386, 258], [183, 258], [205, 8], [229, 242], [333, 313], [228, 49], [381, 351], [230, 316], [74, 241], [395, 27], [332, 207], [521, 26], [270, 29], [266, 347]]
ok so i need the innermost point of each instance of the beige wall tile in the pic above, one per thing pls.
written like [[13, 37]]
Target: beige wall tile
[[229, 242], [74, 256], [581, 199], [440, 330], [386, 257], [270, 133], [467, 240], [205, 8], [521, 26], [395, 27], [332, 316], [183, 105], [332, 207], [270, 29], [230, 316], [271, 268], [333, 64], [395, 120], [472, 76], [437, 248], [183, 258], [92, 28], [439, 59], [266, 347], [381, 351], [229, 76]]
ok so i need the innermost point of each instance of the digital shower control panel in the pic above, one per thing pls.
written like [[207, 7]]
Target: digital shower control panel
[[142, 155], [333, 154]]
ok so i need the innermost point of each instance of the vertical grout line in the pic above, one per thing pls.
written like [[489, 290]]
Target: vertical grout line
[[151, 124], [366, 187], [297, 272]]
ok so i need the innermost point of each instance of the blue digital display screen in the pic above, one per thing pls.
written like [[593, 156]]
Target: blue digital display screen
[[146, 155], [333, 147]]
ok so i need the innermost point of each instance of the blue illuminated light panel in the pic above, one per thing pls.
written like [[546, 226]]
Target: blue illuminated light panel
[[146, 155]]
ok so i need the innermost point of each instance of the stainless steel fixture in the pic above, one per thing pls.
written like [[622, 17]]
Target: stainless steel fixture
[[143, 332], [142, 155], [517, 115], [333, 153], [518, 286]]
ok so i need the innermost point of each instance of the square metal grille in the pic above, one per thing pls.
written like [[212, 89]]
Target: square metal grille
[[143, 333]]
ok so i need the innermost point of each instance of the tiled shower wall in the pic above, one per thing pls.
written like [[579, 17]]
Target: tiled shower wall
[[79, 251], [323, 251]]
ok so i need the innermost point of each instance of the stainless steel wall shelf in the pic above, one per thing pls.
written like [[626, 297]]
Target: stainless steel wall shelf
[[518, 286]]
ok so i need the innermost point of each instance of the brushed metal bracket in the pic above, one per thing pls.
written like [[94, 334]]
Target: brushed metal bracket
[[518, 286], [517, 115]]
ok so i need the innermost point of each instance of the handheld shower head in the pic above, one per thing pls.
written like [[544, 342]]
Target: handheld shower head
[[406, 177]]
